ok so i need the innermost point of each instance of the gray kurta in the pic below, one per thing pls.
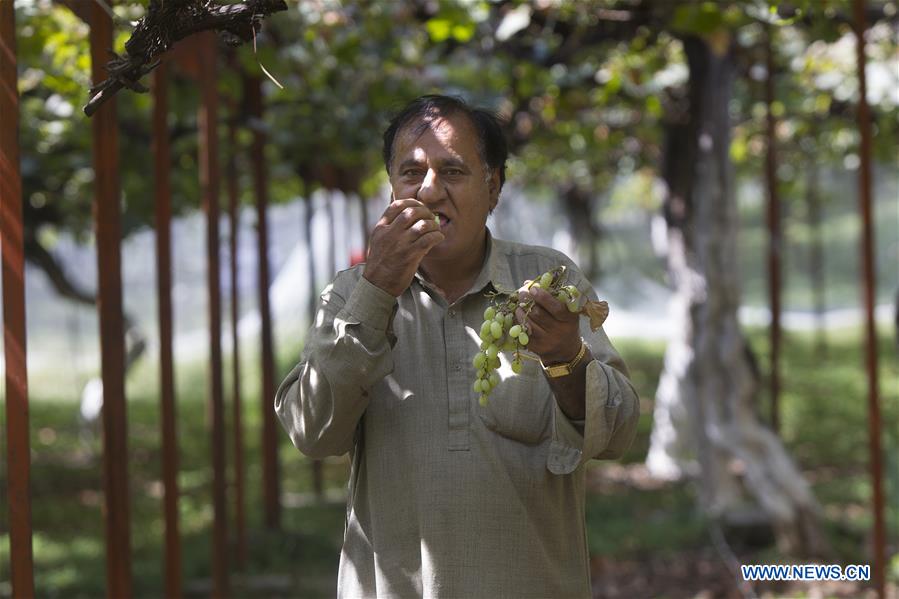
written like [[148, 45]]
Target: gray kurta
[[448, 498]]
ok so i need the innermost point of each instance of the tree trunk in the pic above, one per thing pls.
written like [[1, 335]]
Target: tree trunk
[[317, 482], [332, 233], [312, 306], [363, 216], [775, 238], [705, 421], [816, 256], [578, 205]]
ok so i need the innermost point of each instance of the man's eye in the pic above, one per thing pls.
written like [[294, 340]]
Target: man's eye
[[411, 173], [453, 172]]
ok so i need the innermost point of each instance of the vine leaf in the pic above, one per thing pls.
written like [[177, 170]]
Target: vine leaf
[[597, 312]]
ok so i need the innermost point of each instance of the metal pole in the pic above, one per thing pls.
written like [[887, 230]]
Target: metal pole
[[18, 452], [775, 239], [107, 222], [209, 184], [236, 405], [162, 160], [270, 481], [874, 422]]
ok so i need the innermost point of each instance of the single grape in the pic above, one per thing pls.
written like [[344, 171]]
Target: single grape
[[479, 360], [489, 313], [508, 320], [516, 366], [546, 279], [494, 379], [572, 306], [515, 331], [492, 351], [562, 296], [494, 362], [484, 344], [496, 329], [509, 344], [477, 386], [523, 338], [572, 291], [483, 401]]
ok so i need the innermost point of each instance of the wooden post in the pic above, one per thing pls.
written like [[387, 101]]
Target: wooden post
[[162, 160], [867, 242], [236, 401], [18, 452], [107, 223], [270, 481], [209, 185], [775, 238]]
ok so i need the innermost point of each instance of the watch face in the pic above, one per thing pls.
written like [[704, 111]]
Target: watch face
[[557, 371]]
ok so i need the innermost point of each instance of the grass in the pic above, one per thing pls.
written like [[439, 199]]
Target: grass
[[824, 426]]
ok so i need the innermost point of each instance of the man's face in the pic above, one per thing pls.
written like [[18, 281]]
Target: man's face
[[439, 164]]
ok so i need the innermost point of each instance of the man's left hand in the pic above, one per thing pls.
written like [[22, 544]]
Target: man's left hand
[[552, 329]]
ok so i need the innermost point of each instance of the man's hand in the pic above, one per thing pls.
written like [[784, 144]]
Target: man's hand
[[552, 329], [404, 234]]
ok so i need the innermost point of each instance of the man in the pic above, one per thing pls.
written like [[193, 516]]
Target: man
[[448, 498]]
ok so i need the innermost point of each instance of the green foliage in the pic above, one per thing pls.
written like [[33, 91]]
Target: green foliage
[[584, 109]]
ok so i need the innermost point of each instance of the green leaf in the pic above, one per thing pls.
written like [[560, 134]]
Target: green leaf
[[439, 29], [463, 32], [697, 18]]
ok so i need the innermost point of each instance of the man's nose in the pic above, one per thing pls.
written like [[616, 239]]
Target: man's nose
[[431, 189]]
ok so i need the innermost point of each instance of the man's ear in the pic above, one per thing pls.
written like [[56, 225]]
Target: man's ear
[[493, 187]]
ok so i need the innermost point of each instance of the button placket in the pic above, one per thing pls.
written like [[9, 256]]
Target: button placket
[[457, 385]]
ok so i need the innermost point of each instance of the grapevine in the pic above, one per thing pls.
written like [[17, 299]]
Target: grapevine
[[500, 331]]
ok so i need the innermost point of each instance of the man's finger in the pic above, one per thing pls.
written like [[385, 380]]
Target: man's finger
[[551, 305], [411, 215], [395, 208], [422, 225], [529, 323], [428, 240]]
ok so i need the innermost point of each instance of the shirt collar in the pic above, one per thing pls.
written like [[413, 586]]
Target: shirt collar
[[496, 267], [495, 270]]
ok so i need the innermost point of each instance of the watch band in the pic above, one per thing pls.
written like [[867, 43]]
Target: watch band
[[559, 370]]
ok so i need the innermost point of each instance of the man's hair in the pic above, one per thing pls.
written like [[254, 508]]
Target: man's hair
[[488, 126]]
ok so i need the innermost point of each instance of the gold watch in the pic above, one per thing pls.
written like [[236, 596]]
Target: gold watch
[[567, 368]]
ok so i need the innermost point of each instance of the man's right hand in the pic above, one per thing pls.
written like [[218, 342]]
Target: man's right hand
[[402, 237]]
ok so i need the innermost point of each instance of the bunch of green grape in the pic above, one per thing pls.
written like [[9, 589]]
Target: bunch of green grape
[[500, 332]]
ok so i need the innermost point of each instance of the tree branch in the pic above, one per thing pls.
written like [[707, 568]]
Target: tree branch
[[167, 22]]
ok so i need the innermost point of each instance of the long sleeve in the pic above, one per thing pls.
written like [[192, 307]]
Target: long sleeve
[[612, 406], [348, 349]]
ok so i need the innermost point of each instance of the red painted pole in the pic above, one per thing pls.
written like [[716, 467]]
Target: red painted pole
[[236, 401], [107, 222], [270, 481], [775, 238], [162, 160], [18, 451], [874, 421], [209, 185]]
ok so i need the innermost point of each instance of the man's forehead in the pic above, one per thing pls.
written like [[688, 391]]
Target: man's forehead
[[452, 132]]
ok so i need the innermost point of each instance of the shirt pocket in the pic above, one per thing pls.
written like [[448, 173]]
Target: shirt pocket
[[520, 406]]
